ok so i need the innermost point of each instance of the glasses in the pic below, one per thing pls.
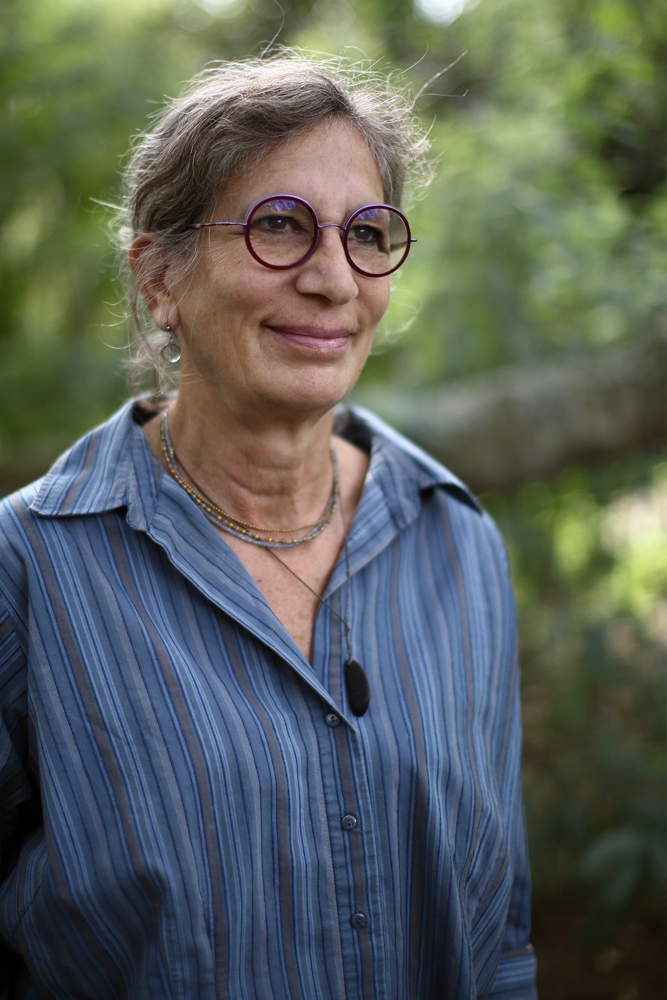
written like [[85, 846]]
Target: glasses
[[283, 231]]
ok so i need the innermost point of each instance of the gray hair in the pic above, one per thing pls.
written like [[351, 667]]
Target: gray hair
[[228, 117]]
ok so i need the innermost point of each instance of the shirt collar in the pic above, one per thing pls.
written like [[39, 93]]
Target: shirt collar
[[113, 466], [410, 469]]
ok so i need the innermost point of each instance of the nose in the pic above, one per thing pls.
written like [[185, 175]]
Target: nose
[[327, 272]]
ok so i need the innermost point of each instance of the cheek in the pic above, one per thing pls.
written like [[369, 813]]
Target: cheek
[[234, 276], [223, 293], [377, 298]]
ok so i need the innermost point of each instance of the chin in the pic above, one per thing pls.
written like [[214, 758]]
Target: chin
[[312, 391]]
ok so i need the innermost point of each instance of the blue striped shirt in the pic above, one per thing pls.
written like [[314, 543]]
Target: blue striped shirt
[[189, 809]]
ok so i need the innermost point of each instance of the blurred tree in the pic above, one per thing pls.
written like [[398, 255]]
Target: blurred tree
[[543, 237], [507, 427], [589, 562], [550, 196], [544, 230]]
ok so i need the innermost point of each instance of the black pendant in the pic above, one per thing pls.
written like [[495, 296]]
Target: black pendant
[[358, 688]]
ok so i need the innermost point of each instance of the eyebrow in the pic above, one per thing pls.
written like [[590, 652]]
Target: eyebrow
[[245, 211]]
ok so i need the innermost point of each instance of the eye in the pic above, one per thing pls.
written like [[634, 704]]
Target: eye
[[368, 236], [277, 224]]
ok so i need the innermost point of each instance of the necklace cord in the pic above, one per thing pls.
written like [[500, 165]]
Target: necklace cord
[[348, 580], [234, 526], [173, 461], [342, 618], [244, 524]]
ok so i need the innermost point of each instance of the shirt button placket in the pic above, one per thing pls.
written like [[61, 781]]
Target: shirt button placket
[[354, 857]]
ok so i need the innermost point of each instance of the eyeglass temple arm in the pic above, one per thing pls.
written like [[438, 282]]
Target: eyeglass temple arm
[[205, 225], [396, 246]]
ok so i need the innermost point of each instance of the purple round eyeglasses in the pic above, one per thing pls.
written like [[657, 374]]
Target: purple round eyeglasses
[[283, 231]]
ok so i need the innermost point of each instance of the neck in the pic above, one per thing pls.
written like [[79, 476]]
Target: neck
[[267, 468]]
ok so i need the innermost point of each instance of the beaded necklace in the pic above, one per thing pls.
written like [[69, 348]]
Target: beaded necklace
[[356, 681], [234, 526]]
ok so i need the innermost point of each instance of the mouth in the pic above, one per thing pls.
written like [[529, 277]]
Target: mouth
[[315, 339]]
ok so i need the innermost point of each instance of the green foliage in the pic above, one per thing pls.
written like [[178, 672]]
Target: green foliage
[[589, 562], [550, 200], [544, 233], [72, 91]]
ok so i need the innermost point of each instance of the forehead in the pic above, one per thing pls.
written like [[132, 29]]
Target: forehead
[[330, 166]]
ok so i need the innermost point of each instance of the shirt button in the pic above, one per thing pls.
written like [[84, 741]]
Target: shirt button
[[348, 821], [332, 719], [358, 920]]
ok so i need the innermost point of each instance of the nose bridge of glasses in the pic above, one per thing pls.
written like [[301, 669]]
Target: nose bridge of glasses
[[327, 225], [331, 225]]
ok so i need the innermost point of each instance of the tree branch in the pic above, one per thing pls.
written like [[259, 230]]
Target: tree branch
[[525, 423]]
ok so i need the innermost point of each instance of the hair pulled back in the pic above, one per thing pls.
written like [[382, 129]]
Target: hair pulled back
[[227, 118]]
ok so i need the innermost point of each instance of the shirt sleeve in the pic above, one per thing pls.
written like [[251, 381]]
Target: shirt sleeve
[[16, 789], [516, 970], [514, 978], [19, 800]]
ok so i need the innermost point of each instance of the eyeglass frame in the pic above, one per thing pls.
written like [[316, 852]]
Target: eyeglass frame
[[316, 240]]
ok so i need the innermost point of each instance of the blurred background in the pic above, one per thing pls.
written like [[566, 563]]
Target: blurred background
[[525, 347]]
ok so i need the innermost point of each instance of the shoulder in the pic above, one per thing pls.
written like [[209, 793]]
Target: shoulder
[[417, 465], [15, 519], [414, 478], [109, 467], [409, 471]]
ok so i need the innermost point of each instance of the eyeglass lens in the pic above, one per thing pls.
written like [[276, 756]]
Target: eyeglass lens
[[377, 240], [281, 232]]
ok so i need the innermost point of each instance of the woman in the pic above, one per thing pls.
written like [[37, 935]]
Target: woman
[[258, 672]]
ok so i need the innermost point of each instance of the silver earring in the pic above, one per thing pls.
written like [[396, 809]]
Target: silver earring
[[171, 352]]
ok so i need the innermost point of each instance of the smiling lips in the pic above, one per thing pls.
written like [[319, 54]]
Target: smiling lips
[[313, 338]]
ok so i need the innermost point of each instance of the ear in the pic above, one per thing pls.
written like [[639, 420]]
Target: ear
[[151, 281]]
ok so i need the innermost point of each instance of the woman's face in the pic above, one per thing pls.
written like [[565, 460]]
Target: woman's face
[[290, 340]]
